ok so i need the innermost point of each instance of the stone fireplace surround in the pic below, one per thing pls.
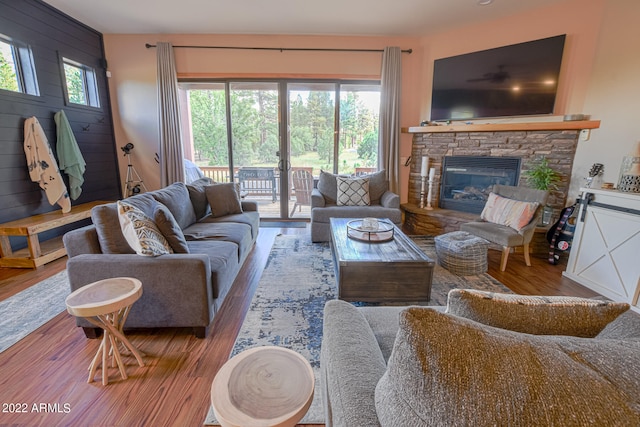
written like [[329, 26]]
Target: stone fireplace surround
[[557, 141]]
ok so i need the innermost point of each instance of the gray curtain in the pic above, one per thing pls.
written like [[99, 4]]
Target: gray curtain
[[389, 130], [171, 151]]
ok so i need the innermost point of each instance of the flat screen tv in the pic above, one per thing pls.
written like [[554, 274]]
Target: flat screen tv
[[515, 80]]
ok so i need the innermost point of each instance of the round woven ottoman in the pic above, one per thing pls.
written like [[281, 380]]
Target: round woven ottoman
[[462, 253]]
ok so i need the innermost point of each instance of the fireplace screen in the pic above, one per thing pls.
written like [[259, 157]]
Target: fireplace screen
[[468, 180]]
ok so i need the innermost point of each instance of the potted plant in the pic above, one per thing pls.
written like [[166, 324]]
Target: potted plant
[[541, 176]]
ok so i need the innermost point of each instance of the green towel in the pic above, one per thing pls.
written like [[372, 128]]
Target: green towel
[[70, 158]]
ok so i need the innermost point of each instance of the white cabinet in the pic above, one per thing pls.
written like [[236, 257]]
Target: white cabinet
[[605, 255]]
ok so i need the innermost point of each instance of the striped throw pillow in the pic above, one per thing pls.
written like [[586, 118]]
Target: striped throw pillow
[[512, 213]]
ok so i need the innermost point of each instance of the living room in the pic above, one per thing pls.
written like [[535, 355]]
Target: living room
[[597, 78]]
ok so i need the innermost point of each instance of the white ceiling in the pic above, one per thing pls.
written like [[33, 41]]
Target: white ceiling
[[289, 17]]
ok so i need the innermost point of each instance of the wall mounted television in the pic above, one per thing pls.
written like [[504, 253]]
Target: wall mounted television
[[515, 80]]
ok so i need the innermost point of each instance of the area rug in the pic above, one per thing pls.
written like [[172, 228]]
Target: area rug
[[298, 280], [26, 311]]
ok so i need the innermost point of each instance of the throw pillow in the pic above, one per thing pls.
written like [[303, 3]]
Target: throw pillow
[[353, 191], [170, 229], [538, 315], [141, 232], [199, 198], [176, 198], [223, 199], [378, 185], [447, 370], [512, 213], [111, 239]]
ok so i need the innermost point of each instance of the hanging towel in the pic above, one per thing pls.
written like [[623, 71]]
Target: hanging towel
[[69, 156], [42, 165]]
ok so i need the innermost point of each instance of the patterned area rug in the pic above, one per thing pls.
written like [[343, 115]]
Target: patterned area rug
[[42, 301], [287, 307]]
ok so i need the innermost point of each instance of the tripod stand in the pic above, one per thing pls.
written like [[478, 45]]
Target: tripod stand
[[133, 185]]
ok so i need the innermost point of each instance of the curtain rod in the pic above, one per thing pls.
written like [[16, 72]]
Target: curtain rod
[[281, 49]]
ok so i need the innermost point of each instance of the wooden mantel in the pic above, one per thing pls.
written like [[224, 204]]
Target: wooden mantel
[[506, 127]]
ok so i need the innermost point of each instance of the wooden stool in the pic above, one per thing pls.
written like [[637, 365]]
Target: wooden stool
[[106, 304], [263, 386]]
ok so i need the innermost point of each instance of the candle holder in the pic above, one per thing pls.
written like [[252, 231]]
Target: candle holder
[[422, 192], [429, 195]]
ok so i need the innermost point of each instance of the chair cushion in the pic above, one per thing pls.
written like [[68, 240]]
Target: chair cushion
[[538, 315], [500, 234], [170, 229], [141, 232], [378, 185], [223, 199], [198, 196], [447, 370], [328, 187], [353, 191], [512, 213]]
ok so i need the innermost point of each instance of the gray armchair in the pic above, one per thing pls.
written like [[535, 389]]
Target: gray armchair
[[384, 204], [505, 236]]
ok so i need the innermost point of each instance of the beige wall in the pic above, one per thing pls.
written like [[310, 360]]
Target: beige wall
[[599, 32]]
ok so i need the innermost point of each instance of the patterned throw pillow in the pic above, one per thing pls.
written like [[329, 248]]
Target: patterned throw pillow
[[512, 213], [141, 232], [537, 315], [353, 191]]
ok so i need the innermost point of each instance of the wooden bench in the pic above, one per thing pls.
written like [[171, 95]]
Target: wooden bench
[[37, 254], [258, 181]]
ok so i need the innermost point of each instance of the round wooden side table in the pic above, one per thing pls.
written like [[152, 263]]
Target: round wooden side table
[[106, 304], [263, 386]]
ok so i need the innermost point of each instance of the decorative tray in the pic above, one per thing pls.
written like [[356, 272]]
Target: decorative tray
[[370, 230]]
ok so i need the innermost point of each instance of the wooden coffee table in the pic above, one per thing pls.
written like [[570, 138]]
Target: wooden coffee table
[[392, 271]]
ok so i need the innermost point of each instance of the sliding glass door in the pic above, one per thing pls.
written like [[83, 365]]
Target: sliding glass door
[[274, 137]]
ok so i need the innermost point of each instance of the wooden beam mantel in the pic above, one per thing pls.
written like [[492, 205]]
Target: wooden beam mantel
[[505, 127]]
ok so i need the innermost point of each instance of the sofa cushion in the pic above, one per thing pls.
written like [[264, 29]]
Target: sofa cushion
[[198, 196], [170, 229], [353, 191], [235, 232], [538, 315], [328, 186], [223, 199], [176, 198], [251, 218], [447, 370], [512, 213], [110, 237], [333, 211], [378, 185], [141, 232]]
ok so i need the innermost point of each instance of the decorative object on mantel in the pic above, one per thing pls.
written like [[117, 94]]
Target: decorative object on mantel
[[541, 176], [432, 174], [423, 178], [630, 172], [595, 173]]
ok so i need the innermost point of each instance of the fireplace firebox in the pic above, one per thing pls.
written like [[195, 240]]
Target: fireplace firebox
[[468, 180]]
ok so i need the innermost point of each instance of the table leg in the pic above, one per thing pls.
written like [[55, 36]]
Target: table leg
[[105, 354]]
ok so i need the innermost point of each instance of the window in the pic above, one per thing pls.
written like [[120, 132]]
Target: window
[[80, 83], [17, 70]]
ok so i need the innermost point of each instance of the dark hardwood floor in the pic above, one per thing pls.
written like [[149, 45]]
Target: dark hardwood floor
[[50, 365]]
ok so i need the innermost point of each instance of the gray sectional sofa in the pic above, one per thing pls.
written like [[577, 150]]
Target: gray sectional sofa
[[383, 204], [181, 289], [482, 362]]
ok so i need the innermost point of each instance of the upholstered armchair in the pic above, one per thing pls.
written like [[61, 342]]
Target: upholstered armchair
[[325, 204], [509, 219]]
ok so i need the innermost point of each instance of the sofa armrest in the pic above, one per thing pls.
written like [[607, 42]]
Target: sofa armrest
[[317, 199], [176, 288], [390, 200], [249, 205], [82, 240], [351, 364]]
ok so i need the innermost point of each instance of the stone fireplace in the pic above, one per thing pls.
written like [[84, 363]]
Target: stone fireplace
[[557, 141]]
